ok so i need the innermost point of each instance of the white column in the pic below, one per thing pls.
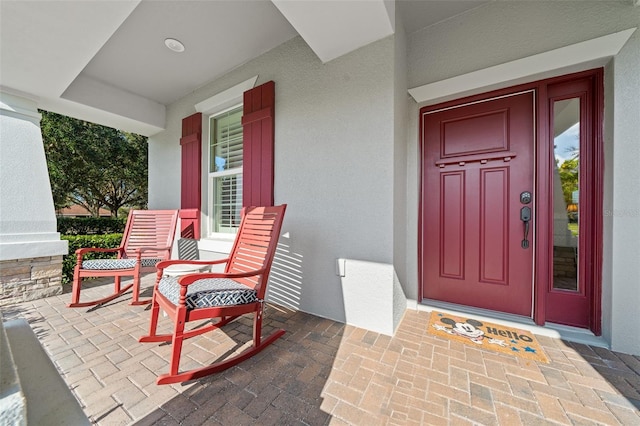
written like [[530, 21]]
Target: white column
[[27, 215]]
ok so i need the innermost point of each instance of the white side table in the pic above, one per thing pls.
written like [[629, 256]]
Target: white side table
[[184, 269]]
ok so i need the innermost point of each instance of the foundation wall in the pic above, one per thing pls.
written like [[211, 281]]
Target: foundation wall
[[29, 279]]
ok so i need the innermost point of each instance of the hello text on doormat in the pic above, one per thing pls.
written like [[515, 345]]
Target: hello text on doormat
[[482, 334]]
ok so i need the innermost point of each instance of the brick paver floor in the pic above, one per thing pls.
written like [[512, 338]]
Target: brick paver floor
[[322, 372]]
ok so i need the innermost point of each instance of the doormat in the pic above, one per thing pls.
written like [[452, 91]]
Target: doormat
[[495, 337]]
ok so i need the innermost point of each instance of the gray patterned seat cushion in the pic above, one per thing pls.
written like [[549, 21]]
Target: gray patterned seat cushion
[[117, 263], [208, 292]]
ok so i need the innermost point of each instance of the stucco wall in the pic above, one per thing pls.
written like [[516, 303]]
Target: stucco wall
[[504, 31], [334, 164], [625, 201], [500, 32], [400, 230]]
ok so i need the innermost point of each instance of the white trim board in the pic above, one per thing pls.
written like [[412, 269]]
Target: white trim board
[[226, 98], [575, 57]]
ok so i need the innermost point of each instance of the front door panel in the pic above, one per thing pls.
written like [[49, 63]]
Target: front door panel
[[477, 161]]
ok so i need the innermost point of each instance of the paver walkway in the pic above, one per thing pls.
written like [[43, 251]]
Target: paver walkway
[[322, 372]]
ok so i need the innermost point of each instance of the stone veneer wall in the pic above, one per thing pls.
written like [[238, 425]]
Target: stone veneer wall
[[28, 279]]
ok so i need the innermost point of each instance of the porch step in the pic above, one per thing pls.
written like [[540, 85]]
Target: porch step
[[31, 389]]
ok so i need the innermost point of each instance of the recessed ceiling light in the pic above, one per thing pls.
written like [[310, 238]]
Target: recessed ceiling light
[[174, 44]]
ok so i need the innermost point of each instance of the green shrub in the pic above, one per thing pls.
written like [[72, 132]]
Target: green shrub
[[90, 225], [81, 241]]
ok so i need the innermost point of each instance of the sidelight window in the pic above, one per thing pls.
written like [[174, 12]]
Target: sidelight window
[[566, 202]]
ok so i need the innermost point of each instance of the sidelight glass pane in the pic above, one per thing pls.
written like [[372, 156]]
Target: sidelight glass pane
[[566, 193]]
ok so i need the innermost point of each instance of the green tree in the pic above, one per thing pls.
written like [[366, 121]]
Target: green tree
[[569, 171], [94, 166]]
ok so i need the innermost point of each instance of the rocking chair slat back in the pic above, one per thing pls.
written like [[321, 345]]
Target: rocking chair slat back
[[255, 245], [149, 229]]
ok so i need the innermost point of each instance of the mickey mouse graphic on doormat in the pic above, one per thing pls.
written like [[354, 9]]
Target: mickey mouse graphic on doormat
[[468, 329], [495, 337]]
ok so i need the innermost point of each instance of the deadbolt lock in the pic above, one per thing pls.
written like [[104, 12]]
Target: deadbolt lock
[[525, 197]]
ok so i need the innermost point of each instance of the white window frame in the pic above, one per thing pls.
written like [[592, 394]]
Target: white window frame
[[210, 179], [218, 104]]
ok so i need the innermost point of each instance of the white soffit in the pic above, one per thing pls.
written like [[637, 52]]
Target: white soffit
[[97, 94], [96, 115], [335, 28], [46, 44], [580, 56]]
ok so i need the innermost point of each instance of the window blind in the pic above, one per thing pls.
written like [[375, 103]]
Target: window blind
[[227, 141]]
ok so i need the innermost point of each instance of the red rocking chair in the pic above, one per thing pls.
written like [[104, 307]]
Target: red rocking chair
[[147, 240], [239, 290]]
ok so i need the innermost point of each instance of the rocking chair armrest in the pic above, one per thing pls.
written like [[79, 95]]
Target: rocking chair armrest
[[140, 250], [166, 263], [82, 251], [188, 279]]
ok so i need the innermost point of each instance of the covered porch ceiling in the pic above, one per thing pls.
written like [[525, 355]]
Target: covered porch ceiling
[[106, 61]]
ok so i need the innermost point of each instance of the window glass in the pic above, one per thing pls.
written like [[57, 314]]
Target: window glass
[[226, 141], [566, 200], [225, 171]]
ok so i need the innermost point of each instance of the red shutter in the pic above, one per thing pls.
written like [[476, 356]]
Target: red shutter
[[258, 145], [191, 178]]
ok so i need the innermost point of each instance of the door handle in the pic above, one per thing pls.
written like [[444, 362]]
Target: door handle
[[525, 216]]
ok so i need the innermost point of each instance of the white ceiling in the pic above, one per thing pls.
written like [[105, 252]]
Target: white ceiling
[[214, 34], [106, 61]]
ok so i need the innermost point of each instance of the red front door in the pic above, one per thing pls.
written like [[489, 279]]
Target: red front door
[[477, 161]]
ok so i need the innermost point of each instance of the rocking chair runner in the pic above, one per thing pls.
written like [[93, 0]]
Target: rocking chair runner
[[147, 240], [239, 290]]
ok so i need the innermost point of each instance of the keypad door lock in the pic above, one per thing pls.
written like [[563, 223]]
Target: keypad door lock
[[525, 197]]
